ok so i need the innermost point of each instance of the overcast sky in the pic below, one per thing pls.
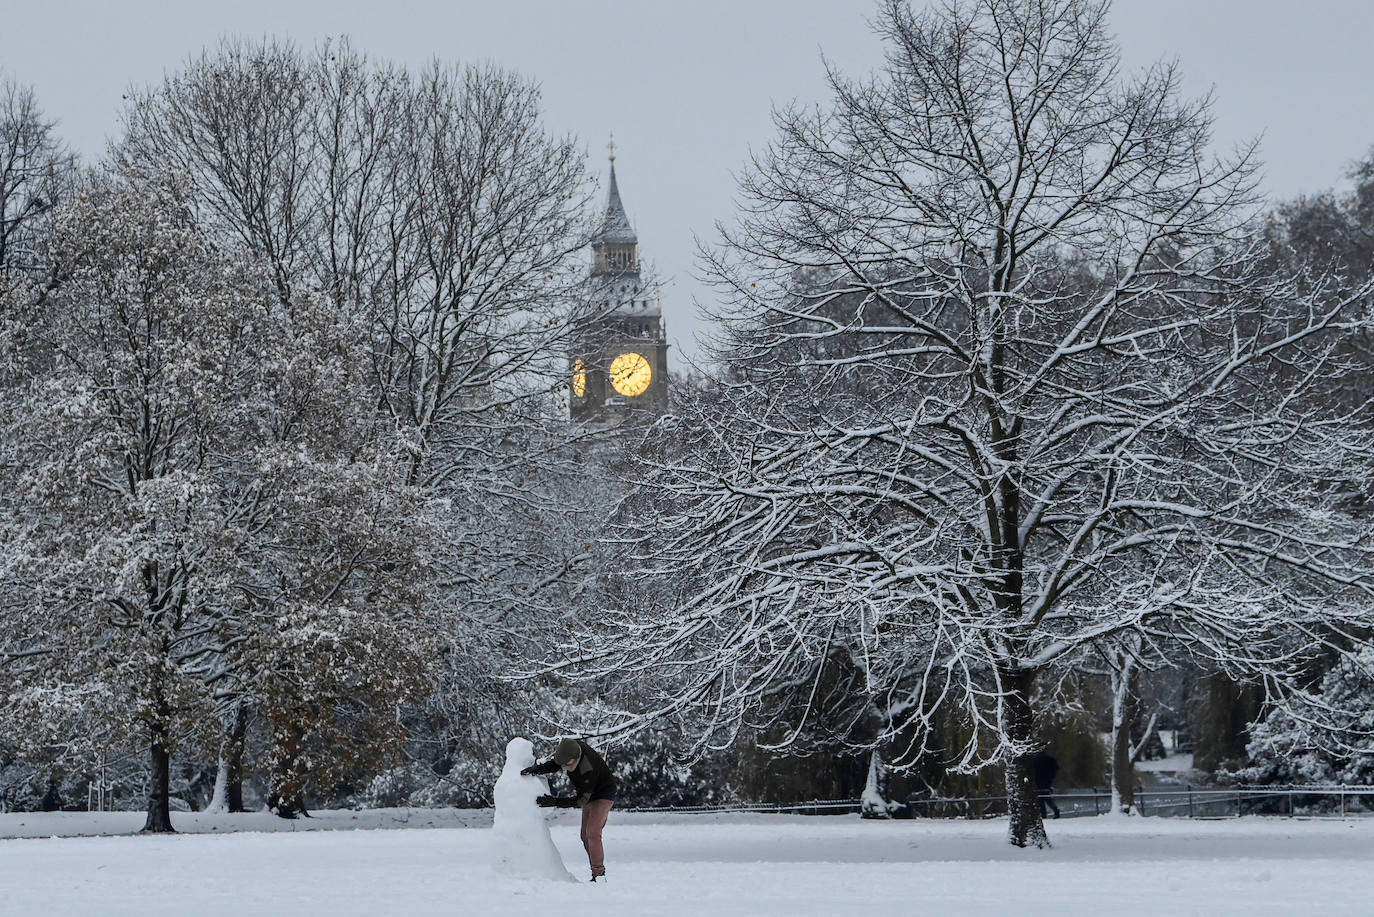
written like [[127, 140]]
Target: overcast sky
[[687, 86]]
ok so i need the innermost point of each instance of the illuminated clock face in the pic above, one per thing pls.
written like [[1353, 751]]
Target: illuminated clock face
[[579, 378], [631, 374]]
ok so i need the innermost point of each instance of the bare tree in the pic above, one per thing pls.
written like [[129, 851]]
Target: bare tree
[[432, 205], [1003, 378], [36, 172], [237, 125]]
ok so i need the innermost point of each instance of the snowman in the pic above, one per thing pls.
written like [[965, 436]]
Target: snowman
[[521, 845]]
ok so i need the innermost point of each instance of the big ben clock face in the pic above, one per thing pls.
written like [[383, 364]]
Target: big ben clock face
[[631, 374]]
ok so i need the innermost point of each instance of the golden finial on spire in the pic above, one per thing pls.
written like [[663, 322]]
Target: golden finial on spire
[[611, 146]]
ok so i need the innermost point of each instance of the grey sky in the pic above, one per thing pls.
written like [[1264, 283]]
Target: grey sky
[[687, 86]]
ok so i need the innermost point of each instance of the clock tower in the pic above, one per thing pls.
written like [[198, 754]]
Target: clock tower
[[619, 361]]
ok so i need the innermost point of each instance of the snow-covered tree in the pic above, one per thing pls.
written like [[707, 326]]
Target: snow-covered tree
[[1004, 376], [110, 452], [202, 520], [1322, 735], [435, 211]]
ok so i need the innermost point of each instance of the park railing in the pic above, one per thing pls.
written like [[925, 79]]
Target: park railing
[[1333, 800], [810, 807], [1228, 801], [1233, 801]]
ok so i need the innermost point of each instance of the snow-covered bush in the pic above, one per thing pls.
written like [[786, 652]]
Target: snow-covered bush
[[651, 772], [466, 786], [1323, 737]]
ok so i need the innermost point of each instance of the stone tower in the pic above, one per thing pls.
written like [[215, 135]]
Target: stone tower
[[619, 362]]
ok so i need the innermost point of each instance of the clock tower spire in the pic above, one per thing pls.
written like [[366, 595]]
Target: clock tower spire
[[619, 363]]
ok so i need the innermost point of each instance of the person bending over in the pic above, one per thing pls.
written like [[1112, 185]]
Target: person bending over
[[595, 788]]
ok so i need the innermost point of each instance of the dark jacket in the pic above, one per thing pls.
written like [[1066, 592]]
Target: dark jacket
[[1045, 769], [591, 778]]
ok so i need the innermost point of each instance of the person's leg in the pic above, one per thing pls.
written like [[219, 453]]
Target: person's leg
[[594, 815]]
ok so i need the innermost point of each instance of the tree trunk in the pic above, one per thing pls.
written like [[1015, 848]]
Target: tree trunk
[[159, 789], [1222, 710], [1027, 828], [287, 796], [232, 760], [217, 803], [1125, 690], [874, 804], [228, 796]]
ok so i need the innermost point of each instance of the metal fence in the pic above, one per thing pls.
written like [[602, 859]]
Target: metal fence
[[1181, 802], [810, 807], [1222, 802]]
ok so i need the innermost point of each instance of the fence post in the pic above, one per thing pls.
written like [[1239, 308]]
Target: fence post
[[1190, 800]]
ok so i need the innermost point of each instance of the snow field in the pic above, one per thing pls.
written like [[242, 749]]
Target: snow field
[[718, 866]]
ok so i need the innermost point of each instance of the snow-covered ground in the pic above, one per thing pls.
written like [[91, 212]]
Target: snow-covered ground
[[1173, 762], [717, 865], [1176, 763]]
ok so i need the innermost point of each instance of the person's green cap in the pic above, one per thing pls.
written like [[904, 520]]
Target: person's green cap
[[567, 753]]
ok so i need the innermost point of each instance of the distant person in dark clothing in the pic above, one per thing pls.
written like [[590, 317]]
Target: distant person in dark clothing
[[595, 786], [1045, 768]]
